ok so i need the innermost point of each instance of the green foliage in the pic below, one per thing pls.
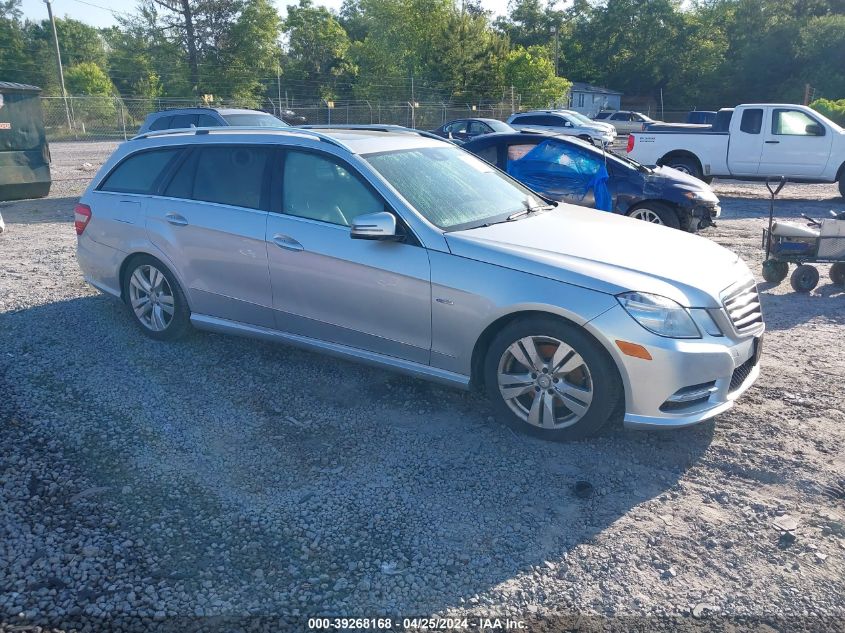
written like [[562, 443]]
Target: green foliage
[[87, 79], [833, 110], [532, 75], [703, 53]]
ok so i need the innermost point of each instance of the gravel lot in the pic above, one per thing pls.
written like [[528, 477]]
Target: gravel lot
[[218, 481]]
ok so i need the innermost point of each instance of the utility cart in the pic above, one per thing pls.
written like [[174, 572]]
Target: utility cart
[[819, 241]]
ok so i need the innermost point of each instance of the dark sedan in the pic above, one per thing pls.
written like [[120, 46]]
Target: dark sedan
[[463, 130], [568, 169]]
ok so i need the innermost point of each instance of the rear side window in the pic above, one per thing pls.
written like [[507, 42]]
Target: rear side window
[[206, 120], [752, 121], [161, 123], [230, 174], [139, 173], [183, 121], [602, 115], [490, 154]]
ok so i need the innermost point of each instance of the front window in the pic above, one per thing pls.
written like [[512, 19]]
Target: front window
[[795, 123], [259, 119], [451, 188]]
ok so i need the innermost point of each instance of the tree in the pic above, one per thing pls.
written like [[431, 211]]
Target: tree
[[532, 75], [317, 58], [88, 80]]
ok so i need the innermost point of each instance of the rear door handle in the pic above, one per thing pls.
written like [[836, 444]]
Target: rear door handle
[[175, 219], [772, 142], [287, 242]]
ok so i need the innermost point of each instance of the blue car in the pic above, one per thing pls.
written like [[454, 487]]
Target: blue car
[[567, 169]]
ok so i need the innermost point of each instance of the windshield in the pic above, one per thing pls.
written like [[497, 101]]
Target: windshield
[[254, 120], [581, 118], [451, 188], [498, 126]]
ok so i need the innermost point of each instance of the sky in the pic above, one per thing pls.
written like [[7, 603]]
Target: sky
[[101, 12]]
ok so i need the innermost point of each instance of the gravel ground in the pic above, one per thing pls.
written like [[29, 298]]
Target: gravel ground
[[222, 483]]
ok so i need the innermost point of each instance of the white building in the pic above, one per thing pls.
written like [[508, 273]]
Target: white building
[[589, 100]]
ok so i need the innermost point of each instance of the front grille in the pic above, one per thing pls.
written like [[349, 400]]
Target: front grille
[[743, 307], [741, 373]]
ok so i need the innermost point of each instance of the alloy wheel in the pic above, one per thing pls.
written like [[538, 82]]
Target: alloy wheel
[[647, 215], [545, 382], [151, 298]]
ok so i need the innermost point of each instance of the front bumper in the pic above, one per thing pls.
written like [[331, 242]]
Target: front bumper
[[701, 215], [726, 366]]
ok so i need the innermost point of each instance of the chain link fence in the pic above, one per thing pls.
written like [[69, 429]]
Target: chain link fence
[[115, 118]]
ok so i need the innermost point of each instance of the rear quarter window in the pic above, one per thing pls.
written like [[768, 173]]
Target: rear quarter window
[[161, 123], [139, 172]]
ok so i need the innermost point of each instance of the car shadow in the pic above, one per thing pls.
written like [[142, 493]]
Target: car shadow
[[38, 211], [785, 311], [310, 482]]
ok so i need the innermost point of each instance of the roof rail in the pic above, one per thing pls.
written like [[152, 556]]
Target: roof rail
[[295, 131], [373, 127]]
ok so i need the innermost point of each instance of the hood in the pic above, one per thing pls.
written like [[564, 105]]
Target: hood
[[608, 253], [662, 177]]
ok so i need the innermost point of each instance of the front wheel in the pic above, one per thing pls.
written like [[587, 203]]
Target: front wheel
[[842, 186], [804, 278], [155, 299], [551, 379], [656, 213]]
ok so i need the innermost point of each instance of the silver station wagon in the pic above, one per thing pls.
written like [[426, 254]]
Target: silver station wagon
[[391, 247]]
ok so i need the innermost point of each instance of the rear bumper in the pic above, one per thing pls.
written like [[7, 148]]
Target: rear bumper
[[100, 264]]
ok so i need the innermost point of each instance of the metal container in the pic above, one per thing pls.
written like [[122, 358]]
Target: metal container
[[24, 154]]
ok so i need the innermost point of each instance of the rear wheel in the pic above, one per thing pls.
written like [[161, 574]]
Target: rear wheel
[[656, 213], [551, 379], [685, 165], [837, 273], [155, 299], [804, 278], [775, 271]]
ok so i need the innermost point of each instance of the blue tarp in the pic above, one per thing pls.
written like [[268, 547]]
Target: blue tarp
[[563, 172]]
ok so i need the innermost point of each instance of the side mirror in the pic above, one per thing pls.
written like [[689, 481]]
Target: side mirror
[[374, 226], [814, 129]]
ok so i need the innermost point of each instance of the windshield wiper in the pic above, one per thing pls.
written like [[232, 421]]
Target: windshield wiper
[[527, 210]]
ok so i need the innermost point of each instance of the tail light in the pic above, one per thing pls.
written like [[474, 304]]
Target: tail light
[[81, 217], [630, 147]]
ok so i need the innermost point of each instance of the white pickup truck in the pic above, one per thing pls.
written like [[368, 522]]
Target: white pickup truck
[[755, 142]]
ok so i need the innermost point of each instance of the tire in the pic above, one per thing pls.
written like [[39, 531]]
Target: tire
[[842, 186], [804, 278], [580, 401], [775, 271], [656, 213], [837, 273], [587, 138], [156, 321], [685, 165]]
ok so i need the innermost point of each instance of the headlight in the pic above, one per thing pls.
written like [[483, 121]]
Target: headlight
[[701, 196], [659, 315]]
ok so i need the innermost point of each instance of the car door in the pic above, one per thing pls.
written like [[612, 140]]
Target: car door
[[211, 222], [621, 121], [370, 295], [796, 145], [745, 145]]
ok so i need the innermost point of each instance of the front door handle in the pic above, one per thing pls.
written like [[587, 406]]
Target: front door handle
[[287, 242], [175, 219], [772, 142]]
